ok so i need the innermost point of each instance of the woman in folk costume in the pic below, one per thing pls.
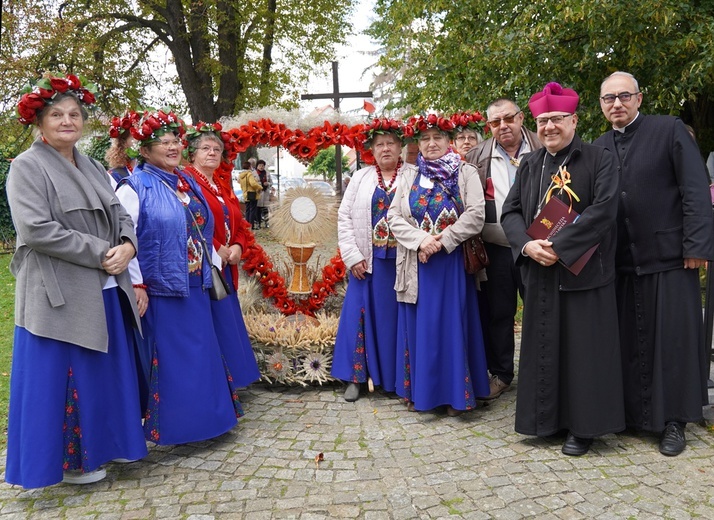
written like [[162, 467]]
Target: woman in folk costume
[[74, 402], [211, 166], [365, 347], [121, 155], [189, 395], [438, 206]]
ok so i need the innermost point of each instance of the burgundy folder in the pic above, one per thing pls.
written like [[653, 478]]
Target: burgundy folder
[[554, 216]]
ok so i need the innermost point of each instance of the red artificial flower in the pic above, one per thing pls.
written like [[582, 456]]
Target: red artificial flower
[[73, 81], [242, 141], [286, 306], [307, 149], [146, 130], [86, 96], [329, 275], [59, 84], [153, 122], [32, 100], [26, 112], [368, 157]]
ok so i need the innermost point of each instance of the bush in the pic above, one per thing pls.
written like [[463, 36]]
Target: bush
[[7, 230], [97, 148]]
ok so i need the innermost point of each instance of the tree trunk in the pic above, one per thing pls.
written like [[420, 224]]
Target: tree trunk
[[700, 115], [267, 62], [231, 50], [196, 85]]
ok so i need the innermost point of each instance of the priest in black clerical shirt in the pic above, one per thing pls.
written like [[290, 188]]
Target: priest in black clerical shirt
[[664, 236], [570, 377]]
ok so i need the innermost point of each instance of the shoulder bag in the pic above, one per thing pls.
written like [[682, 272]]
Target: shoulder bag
[[475, 256]]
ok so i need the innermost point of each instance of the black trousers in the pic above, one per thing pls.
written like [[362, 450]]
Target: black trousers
[[251, 212], [498, 300]]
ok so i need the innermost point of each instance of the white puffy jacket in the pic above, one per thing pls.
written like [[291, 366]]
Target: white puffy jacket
[[354, 218]]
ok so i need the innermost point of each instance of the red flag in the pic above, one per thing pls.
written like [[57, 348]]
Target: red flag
[[369, 106]]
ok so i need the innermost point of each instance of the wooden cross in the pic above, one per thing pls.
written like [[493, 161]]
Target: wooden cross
[[335, 96]]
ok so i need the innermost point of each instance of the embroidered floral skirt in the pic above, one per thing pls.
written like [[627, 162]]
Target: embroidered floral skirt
[[366, 336], [72, 408], [439, 339], [233, 339], [189, 396]]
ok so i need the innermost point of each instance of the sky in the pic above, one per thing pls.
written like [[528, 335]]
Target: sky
[[352, 63]]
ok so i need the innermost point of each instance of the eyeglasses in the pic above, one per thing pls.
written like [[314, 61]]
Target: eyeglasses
[[624, 97], [556, 120], [168, 143], [209, 149], [469, 138], [495, 123]]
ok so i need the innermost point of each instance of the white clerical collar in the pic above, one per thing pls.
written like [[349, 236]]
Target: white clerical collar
[[622, 130]]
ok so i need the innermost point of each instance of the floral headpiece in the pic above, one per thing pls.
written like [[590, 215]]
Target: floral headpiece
[[468, 121], [35, 98], [202, 128], [121, 125], [153, 125], [381, 126], [416, 125]]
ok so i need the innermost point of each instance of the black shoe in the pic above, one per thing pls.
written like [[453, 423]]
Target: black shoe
[[576, 446], [673, 441]]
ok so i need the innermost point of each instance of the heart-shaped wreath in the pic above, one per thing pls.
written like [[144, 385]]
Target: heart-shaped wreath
[[256, 261], [304, 145]]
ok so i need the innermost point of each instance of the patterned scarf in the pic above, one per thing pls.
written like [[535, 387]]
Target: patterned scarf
[[445, 169]]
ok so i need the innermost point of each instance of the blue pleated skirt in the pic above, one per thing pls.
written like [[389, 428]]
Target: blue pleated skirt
[[72, 408], [439, 339], [189, 396], [366, 342], [233, 339]]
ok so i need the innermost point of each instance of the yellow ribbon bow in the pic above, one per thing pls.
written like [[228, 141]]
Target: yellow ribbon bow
[[560, 180]]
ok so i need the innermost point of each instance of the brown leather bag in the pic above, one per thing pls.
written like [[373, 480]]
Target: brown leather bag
[[475, 257]]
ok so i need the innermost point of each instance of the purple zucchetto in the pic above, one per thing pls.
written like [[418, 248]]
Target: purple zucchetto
[[553, 98]]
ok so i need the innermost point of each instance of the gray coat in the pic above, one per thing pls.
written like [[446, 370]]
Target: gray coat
[[66, 220]]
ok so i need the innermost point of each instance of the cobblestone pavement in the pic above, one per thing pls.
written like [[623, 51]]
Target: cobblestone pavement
[[383, 462]]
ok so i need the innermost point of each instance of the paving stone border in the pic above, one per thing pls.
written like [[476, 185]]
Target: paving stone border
[[383, 462]]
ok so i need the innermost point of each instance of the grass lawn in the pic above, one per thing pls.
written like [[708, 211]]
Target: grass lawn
[[7, 324]]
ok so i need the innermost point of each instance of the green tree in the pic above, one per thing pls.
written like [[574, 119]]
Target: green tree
[[325, 163], [462, 55], [228, 55]]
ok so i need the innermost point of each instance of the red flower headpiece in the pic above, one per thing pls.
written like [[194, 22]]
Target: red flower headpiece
[[416, 125], [35, 98], [121, 125], [468, 121], [381, 126], [153, 125], [201, 128]]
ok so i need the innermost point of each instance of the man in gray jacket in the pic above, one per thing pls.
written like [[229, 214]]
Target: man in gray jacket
[[497, 159]]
